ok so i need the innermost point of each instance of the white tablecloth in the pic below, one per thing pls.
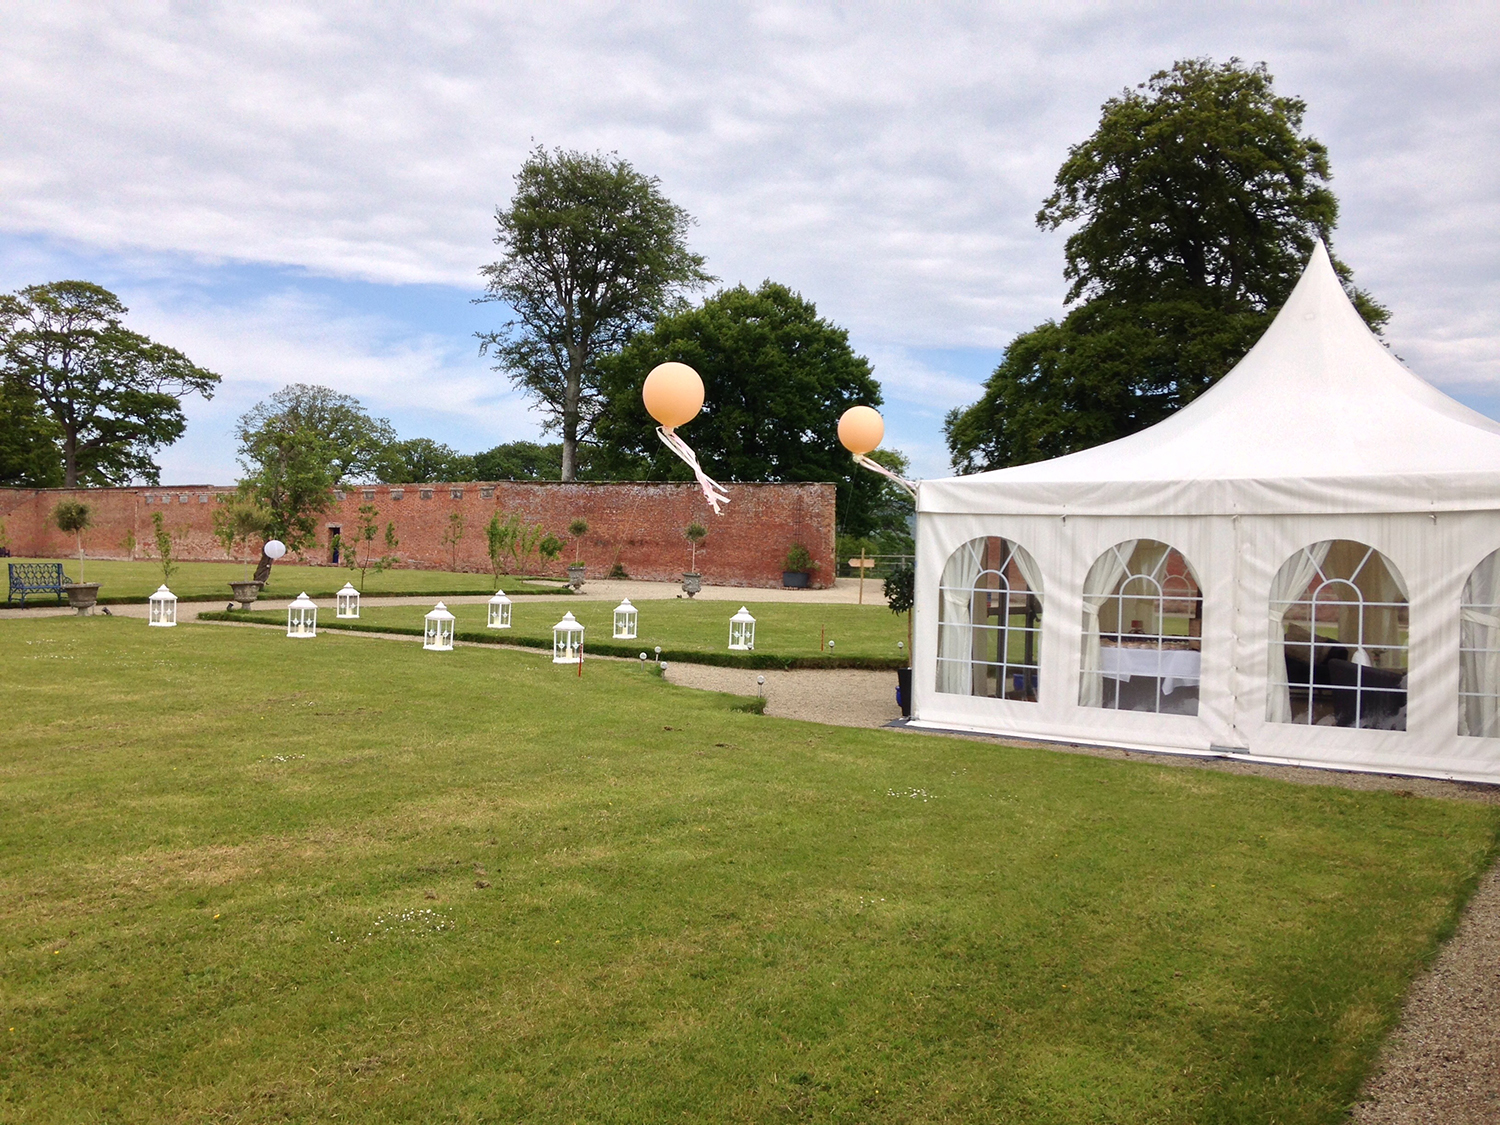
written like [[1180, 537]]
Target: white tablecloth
[[1175, 667]]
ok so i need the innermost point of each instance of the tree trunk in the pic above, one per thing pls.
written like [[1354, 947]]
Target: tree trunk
[[263, 568], [572, 393], [70, 459]]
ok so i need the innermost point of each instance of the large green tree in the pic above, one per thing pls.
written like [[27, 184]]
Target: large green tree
[[777, 378], [593, 252], [422, 461], [112, 397], [29, 447], [295, 447], [1194, 204]]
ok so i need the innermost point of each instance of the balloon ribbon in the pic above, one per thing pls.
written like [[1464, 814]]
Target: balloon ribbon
[[877, 467], [713, 491]]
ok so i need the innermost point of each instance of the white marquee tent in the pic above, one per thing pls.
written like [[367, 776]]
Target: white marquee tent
[[1303, 565]]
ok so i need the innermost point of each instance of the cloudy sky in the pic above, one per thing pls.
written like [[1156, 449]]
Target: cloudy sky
[[305, 192]]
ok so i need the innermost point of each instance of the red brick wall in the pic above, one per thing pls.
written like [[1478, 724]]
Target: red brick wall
[[638, 525]]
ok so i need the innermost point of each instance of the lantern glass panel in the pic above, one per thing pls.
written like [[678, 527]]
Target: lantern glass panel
[[438, 631], [499, 611], [625, 621], [742, 631], [567, 640], [302, 617]]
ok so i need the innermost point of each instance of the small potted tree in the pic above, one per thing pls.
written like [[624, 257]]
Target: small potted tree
[[692, 581], [798, 567], [577, 530], [900, 594], [71, 515]]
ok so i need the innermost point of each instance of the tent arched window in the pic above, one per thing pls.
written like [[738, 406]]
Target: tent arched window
[[990, 621], [1142, 630], [1479, 651], [1339, 628]]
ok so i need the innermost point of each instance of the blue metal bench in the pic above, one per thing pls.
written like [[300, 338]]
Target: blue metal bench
[[36, 578]]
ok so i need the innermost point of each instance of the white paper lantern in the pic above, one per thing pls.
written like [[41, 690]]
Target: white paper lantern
[[302, 617], [438, 635], [567, 640], [164, 608], [348, 601], [499, 611], [274, 548], [742, 631], [625, 621]]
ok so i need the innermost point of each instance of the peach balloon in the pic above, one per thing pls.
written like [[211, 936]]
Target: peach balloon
[[673, 394], [861, 428]]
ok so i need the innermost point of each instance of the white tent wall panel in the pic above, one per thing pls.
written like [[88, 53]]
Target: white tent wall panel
[[1234, 560]]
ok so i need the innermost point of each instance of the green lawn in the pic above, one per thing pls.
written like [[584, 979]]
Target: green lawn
[[784, 631], [209, 581], [255, 879]]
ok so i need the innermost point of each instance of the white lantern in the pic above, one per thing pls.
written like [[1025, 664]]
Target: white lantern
[[164, 608], [742, 631], [438, 635], [348, 601], [499, 611], [567, 640], [302, 617], [625, 619]]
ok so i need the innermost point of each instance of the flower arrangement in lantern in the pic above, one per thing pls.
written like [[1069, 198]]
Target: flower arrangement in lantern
[[302, 617], [348, 601], [625, 621], [567, 640], [163, 608], [438, 634], [742, 631], [499, 611]]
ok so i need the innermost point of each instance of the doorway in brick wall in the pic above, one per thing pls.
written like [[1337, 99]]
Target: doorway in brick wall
[[334, 543]]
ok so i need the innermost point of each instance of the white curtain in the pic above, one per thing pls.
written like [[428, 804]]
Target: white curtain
[[955, 613], [1029, 570], [1102, 579], [1291, 580], [1479, 671]]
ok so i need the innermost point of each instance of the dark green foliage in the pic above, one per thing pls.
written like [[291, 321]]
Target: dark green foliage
[[295, 447], [424, 461], [30, 449], [1198, 201], [72, 516], [901, 588], [777, 377], [798, 559], [593, 252], [527, 460], [89, 394]]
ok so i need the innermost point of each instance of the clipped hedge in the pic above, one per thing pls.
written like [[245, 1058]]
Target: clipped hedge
[[751, 660]]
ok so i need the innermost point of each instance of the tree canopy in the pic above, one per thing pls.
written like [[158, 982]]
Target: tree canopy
[[1197, 202], [105, 398], [777, 375], [422, 461], [592, 252], [295, 447]]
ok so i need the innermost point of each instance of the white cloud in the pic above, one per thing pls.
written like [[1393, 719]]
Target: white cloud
[[884, 160]]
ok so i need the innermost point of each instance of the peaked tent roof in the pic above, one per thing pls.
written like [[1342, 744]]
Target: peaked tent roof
[[1318, 417]]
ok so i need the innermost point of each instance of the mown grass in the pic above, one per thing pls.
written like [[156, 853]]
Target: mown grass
[[217, 845], [209, 581], [787, 634]]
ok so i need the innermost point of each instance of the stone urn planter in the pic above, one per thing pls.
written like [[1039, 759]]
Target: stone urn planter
[[692, 582], [575, 575], [245, 593], [82, 596], [795, 579]]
